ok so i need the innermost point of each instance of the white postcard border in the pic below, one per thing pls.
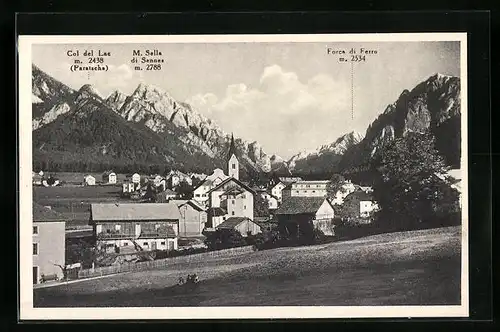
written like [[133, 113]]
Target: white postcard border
[[28, 312]]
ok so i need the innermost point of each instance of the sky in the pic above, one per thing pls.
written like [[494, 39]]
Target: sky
[[289, 97]]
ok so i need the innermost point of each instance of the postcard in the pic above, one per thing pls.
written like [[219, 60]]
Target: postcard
[[243, 176]]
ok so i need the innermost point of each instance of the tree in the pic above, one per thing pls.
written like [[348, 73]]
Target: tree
[[407, 187], [222, 239], [150, 195], [184, 190], [260, 206], [335, 184]]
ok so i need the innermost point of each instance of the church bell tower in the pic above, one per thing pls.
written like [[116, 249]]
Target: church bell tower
[[233, 165]]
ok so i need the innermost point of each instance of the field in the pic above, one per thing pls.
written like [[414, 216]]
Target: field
[[74, 177], [74, 202], [407, 268]]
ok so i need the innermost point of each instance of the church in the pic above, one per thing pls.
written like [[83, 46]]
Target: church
[[226, 196]]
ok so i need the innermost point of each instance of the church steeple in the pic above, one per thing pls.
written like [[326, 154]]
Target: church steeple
[[232, 148], [233, 165]]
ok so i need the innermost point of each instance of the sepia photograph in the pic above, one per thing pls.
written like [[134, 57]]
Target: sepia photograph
[[243, 176]]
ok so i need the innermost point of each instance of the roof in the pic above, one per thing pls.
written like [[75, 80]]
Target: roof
[[181, 202], [217, 211], [196, 205], [205, 182], [232, 222], [289, 178], [44, 214], [299, 205], [312, 181], [241, 184], [134, 211], [163, 195], [361, 195], [79, 233], [233, 191]]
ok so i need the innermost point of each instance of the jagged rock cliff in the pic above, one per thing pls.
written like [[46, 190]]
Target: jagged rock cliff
[[432, 106], [151, 110]]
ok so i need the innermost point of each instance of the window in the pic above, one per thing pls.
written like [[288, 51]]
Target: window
[[157, 226], [296, 191], [244, 207], [98, 229], [162, 243], [232, 213], [197, 195], [233, 166], [35, 230], [224, 218], [35, 248], [145, 244], [243, 196], [307, 186], [314, 191], [125, 244], [232, 201], [118, 228]]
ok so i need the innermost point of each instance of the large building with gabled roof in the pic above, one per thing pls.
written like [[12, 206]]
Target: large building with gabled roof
[[49, 242], [235, 197], [300, 216], [145, 226]]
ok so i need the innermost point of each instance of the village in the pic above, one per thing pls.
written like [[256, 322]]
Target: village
[[157, 215]]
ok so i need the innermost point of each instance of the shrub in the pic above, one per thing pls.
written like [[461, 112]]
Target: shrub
[[223, 239]]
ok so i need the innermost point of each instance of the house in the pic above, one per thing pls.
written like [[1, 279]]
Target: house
[[277, 189], [88, 180], [193, 218], [272, 202], [109, 177], [215, 217], [37, 179], [49, 241], [134, 178], [159, 182], [347, 188], [366, 189], [165, 196], [243, 225], [233, 196], [128, 187], [145, 226], [360, 206], [300, 216], [303, 188], [174, 178], [455, 175], [214, 179], [289, 179]]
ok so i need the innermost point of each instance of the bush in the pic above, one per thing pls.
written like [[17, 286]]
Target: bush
[[255, 239], [223, 239]]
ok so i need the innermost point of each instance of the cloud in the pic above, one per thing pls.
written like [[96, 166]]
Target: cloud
[[282, 112]]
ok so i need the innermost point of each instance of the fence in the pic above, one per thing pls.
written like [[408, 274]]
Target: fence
[[143, 266]]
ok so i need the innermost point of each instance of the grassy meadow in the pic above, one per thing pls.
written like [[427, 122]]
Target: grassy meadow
[[406, 268]]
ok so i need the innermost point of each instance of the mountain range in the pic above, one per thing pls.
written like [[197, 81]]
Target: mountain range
[[80, 130]]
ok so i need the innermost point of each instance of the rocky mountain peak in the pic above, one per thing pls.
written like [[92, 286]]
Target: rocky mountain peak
[[116, 100], [88, 91]]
